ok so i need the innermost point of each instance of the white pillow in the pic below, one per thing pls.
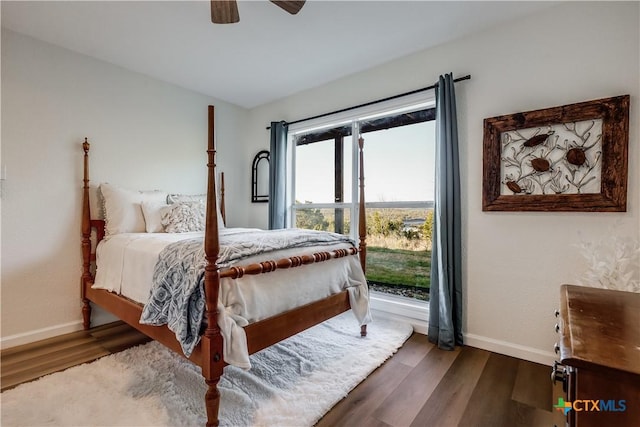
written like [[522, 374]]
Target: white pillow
[[123, 210], [202, 198], [152, 212], [183, 217]]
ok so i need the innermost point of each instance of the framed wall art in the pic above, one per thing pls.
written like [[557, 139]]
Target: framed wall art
[[567, 158]]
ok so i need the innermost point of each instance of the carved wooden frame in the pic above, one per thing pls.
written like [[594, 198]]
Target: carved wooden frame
[[614, 113]]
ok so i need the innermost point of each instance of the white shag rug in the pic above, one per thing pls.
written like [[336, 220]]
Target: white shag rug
[[293, 383]]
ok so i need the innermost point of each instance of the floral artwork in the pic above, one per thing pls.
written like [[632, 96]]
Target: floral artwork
[[554, 159]]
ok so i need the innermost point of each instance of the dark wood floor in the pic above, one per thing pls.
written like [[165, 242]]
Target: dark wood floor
[[424, 386], [28, 362], [419, 386]]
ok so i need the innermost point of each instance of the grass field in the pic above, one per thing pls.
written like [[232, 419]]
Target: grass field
[[399, 266]]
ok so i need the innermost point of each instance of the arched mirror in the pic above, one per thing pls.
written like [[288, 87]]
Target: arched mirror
[[260, 178]]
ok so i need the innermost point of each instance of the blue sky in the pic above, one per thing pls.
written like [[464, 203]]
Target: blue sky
[[399, 166]]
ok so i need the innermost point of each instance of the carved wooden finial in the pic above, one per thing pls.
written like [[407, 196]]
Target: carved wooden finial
[[86, 146]]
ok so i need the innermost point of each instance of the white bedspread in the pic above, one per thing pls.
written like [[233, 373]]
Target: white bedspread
[[126, 264]]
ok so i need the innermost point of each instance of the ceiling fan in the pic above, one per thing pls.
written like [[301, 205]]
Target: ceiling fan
[[226, 11]]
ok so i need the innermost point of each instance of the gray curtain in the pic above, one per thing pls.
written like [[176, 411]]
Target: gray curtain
[[277, 175], [445, 298]]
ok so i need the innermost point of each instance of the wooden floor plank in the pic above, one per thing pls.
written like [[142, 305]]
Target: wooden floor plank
[[117, 329], [370, 422], [366, 397], [80, 352], [45, 347], [127, 339], [546, 418], [520, 414], [417, 388], [49, 366], [414, 350], [449, 400], [537, 397], [30, 361], [489, 404]]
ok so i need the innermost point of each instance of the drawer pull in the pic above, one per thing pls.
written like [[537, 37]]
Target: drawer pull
[[557, 328], [556, 313], [558, 373], [556, 348], [561, 373]]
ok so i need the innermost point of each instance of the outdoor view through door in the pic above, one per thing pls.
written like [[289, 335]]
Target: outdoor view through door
[[399, 150]]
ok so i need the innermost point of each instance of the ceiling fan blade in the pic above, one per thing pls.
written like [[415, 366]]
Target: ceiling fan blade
[[292, 7], [224, 12]]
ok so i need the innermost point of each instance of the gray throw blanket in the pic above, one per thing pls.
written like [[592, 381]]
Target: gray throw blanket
[[177, 294]]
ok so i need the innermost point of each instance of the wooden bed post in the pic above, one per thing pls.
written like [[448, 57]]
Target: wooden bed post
[[362, 221], [363, 217], [212, 360], [86, 240]]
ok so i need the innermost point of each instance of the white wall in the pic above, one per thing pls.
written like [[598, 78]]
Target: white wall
[[514, 262], [145, 134]]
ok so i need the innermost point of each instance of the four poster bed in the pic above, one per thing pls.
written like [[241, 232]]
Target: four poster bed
[[210, 350]]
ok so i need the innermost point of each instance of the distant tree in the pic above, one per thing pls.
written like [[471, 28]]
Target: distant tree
[[347, 227], [311, 219], [384, 225], [427, 228], [374, 224]]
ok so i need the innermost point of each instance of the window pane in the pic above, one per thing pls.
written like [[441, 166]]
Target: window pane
[[399, 163], [399, 250], [318, 169], [399, 152]]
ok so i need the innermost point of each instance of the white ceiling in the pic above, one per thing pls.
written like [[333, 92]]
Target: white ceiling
[[269, 54]]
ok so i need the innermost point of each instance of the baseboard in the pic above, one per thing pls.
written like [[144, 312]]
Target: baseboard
[[417, 314], [40, 334], [515, 350], [99, 317]]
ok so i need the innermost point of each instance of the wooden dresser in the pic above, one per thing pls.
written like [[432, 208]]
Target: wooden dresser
[[599, 349]]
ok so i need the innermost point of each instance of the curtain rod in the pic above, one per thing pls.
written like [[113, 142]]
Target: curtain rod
[[366, 104]]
